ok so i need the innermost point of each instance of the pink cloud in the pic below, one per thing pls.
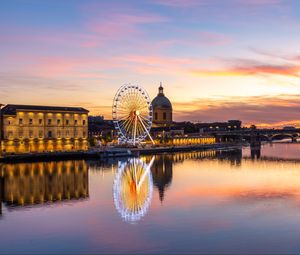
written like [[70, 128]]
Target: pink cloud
[[211, 38], [181, 3], [118, 25], [259, 2], [242, 67], [265, 111]]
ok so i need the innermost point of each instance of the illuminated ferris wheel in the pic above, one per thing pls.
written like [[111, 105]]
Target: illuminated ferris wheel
[[132, 114], [132, 189]]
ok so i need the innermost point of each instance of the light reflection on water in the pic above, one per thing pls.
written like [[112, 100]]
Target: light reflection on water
[[213, 201]]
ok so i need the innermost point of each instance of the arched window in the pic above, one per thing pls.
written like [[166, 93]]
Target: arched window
[[164, 115], [155, 116]]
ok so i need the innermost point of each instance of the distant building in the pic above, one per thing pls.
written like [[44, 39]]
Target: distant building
[[289, 128], [230, 125], [98, 126], [28, 128], [101, 131], [162, 109]]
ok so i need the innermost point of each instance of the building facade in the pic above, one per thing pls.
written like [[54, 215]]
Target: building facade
[[27, 128], [162, 109], [230, 125]]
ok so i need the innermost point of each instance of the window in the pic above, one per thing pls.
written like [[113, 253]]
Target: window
[[58, 122], [67, 133], [40, 134], [155, 116], [30, 121], [40, 121], [58, 134], [84, 134], [164, 115], [75, 122], [67, 122], [8, 122], [21, 134], [49, 121], [83, 122], [30, 134], [10, 134], [49, 134], [20, 121]]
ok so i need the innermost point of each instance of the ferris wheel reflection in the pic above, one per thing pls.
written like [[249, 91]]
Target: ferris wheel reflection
[[132, 188]]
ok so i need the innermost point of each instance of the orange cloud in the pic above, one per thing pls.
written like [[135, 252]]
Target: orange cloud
[[264, 111], [285, 70]]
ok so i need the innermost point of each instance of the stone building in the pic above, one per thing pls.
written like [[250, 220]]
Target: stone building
[[162, 109], [28, 128]]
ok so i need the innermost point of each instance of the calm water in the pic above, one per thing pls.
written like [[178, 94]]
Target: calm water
[[210, 202]]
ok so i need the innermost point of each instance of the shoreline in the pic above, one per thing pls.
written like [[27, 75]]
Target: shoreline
[[114, 153]]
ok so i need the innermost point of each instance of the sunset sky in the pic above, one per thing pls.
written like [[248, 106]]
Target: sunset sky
[[217, 59]]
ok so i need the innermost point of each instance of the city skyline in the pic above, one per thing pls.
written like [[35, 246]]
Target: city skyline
[[217, 60]]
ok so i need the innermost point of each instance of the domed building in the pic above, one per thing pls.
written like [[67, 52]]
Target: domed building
[[162, 109]]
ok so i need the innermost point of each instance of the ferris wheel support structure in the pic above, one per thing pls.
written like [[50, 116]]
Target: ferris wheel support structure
[[146, 130]]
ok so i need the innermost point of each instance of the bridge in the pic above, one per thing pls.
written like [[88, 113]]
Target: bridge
[[256, 135]]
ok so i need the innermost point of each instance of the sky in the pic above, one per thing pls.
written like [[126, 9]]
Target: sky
[[217, 59]]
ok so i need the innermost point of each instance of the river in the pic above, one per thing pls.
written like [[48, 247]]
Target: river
[[234, 201]]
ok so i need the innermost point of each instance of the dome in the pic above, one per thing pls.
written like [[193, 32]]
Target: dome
[[161, 100]]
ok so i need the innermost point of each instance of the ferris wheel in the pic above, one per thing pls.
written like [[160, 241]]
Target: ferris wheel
[[132, 114], [132, 188]]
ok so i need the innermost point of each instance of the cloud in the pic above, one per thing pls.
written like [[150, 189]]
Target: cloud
[[193, 3], [158, 63], [244, 67], [181, 3], [212, 38], [120, 25], [275, 54], [259, 2], [264, 111], [111, 21]]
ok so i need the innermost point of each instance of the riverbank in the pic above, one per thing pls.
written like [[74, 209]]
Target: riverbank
[[114, 152]]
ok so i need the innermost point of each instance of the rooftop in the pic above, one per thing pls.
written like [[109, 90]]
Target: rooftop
[[11, 109], [161, 100]]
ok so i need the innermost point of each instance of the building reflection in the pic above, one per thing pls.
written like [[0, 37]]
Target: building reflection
[[234, 156], [162, 172], [255, 152], [36, 183], [162, 169], [1, 195], [181, 156]]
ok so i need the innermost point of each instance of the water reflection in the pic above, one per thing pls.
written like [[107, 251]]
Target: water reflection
[[43, 182], [162, 173], [202, 202], [132, 188]]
